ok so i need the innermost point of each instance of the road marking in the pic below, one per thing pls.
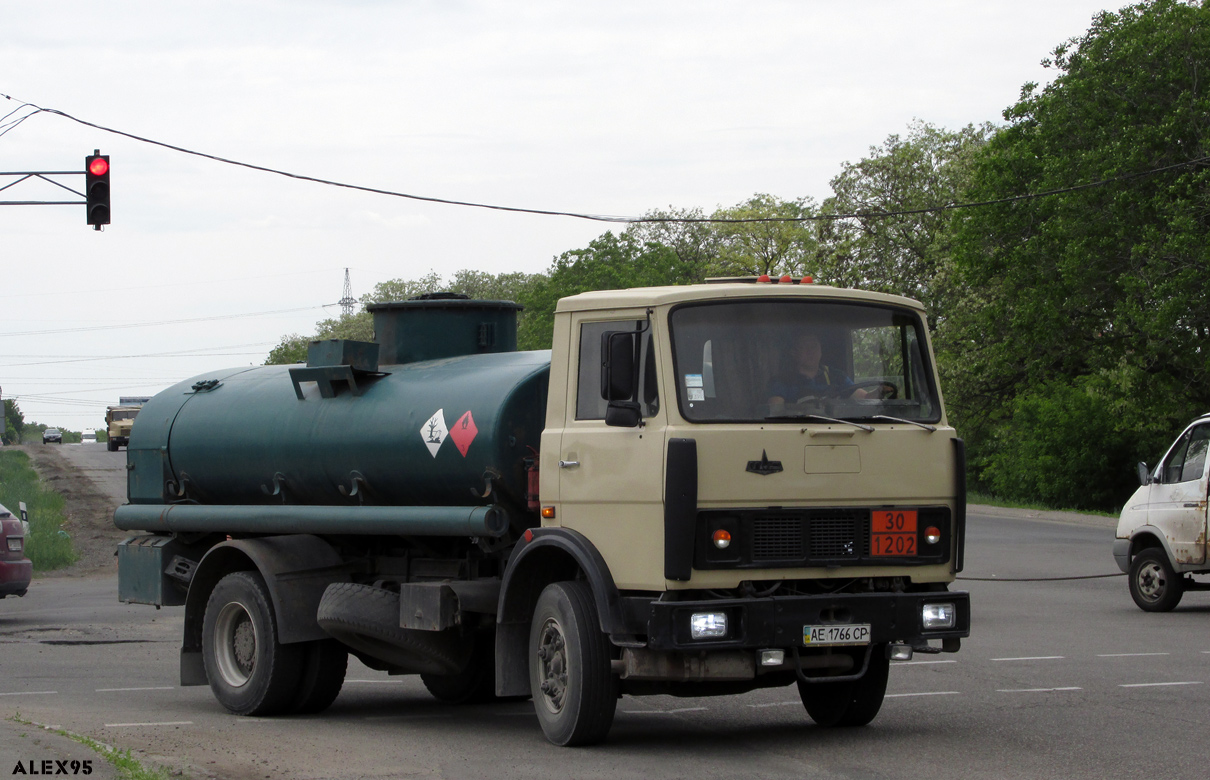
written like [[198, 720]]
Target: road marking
[[28, 693], [1127, 655], [664, 712], [921, 663], [926, 693], [1032, 658], [1158, 685], [162, 723], [157, 688], [1036, 690], [776, 704], [376, 682]]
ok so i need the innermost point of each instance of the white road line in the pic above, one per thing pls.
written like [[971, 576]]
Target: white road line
[[1033, 658], [162, 723], [1127, 655], [376, 682], [157, 688], [664, 712], [1036, 690], [28, 693], [1158, 685], [921, 663], [926, 693], [776, 704]]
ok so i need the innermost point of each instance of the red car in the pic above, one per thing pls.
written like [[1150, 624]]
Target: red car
[[15, 568]]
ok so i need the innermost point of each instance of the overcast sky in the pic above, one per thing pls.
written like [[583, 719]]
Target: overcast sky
[[602, 107]]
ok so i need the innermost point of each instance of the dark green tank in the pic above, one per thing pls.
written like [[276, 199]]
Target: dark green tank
[[447, 419]]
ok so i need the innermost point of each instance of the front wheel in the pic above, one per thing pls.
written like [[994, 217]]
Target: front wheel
[[250, 671], [1154, 585], [575, 692], [850, 703]]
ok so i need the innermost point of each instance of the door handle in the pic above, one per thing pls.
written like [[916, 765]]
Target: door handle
[[569, 464], [1192, 506]]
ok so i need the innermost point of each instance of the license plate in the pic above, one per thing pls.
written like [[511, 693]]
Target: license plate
[[823, 636], [893, 532]]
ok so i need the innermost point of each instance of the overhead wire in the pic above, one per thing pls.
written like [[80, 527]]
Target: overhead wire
[[879, 214], [91, 328]]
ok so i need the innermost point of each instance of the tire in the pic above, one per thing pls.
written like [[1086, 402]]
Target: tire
[[250, 672], [111, 445], [575, 692], [852, 703], [476, 683], [1154, 584], [367, 619], [323, 674]]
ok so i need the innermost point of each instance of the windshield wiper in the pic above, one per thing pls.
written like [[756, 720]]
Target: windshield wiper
[[888, 418], [817, 418]]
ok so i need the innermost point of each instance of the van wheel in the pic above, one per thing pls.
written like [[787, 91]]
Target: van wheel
[[852, 703], [1154, 585], [575, 692], [250, 672]]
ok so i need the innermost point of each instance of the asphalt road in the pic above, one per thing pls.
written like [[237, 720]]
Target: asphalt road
[[1059, 679]]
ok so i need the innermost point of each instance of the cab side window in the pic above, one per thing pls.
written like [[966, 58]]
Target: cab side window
[[1188, 460], [589, 403]]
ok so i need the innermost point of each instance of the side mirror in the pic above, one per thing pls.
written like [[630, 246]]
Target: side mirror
[[619, 378], [1144, 474]]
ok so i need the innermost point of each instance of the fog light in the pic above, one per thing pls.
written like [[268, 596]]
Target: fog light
[[932, 535], [938, 615], [722, 539], [708, 625], [901, 652], [772, 657]]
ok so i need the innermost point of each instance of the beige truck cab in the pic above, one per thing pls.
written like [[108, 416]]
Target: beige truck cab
[[118, 422], [766, 473], [1161, 536]]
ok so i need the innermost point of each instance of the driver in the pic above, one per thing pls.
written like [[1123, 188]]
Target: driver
[[807, 376]]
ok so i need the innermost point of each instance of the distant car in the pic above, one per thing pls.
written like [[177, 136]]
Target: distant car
[[52, 434], [1161, 535], [15, 568]]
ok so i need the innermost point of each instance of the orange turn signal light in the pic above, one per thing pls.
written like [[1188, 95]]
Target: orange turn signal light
[[548, 513], [722, 539]]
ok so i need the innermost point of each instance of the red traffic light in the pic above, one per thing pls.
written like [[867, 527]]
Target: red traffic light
[[99, 166]]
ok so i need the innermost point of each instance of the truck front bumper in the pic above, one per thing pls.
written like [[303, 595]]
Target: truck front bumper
[[784, 621]]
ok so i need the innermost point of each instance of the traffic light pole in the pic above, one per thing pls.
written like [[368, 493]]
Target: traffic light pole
[[95, 198]]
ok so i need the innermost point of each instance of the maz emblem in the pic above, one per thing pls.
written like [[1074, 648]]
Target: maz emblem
[[764, 466]]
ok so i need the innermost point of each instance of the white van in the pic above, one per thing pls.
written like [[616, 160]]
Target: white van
[[1161, 536]]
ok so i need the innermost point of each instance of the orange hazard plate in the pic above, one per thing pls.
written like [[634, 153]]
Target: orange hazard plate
[[893, 532]]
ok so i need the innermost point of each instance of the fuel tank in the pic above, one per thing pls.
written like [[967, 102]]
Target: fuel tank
[[449, 420]]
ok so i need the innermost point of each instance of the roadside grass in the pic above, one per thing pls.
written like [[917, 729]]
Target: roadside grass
[[127, 766], [975, 497], [47, 546]]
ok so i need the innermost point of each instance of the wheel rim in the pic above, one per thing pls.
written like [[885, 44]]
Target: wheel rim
[[1150, 581], [552, 665], [235, 644]]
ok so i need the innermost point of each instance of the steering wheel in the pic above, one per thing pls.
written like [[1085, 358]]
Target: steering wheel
[[890, 390]]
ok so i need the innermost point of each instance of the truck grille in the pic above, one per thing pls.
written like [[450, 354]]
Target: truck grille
[[799, 537]]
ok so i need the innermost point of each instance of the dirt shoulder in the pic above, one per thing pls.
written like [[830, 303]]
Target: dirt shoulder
[[88, 510]]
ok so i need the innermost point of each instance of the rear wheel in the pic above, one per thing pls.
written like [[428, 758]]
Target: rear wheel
[[323, 674], [250, 671], [851, 703], [1154, 585], [575, 692]]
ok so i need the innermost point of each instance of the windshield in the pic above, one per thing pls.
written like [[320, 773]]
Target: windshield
[[751, 361]]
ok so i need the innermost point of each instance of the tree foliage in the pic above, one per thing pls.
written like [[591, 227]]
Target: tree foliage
[[1104, 285]]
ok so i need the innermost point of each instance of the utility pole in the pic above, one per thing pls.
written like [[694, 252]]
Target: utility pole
[[347, 301]]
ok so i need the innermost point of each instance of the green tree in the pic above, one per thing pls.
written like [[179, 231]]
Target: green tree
[[909, 254], [14, 421], [774, 248], [1102, 286]]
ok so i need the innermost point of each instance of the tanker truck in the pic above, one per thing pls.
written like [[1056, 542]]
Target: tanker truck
[[698, 490]]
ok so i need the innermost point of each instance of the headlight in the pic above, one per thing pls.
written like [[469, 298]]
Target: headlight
[[15, 543], [938, 615], [708, 625]]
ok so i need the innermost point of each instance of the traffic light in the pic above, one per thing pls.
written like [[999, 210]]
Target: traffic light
[[96, 189]]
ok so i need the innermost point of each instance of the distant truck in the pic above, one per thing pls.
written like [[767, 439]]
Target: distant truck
[[118, 422], [634, 511]]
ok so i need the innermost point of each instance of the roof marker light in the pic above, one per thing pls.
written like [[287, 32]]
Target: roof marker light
[[764, 279]]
